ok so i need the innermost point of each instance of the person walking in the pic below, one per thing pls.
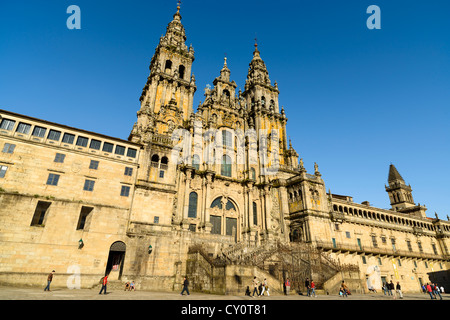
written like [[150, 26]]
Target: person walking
[[398, 289], [185, 286], [437, 292], [384, 287], [264, 287], [343, 289], [307, 287], [49, 280], [104, 283], [255, 286], [430, 291], [313, 289], [287, 284]]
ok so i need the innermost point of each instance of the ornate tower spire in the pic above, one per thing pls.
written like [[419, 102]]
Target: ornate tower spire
[[399, 193], [167, 98]]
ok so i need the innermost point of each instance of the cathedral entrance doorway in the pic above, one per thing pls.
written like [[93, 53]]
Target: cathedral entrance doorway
[[114, 266]]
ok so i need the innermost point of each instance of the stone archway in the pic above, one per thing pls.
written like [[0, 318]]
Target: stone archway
[[116, 257]]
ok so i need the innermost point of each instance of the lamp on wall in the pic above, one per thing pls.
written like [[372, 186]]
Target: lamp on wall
[[80, 244], [150, 249]]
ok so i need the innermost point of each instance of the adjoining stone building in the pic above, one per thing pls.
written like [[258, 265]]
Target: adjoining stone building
[[218, 194]]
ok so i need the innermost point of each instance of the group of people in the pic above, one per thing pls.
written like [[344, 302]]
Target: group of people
[[433, 290], [310, 287], [258, 287], [392, 290], [129, 286]]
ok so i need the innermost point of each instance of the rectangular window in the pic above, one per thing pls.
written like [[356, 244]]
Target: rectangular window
[[374, 242], [161, 174], [192, 227], [60, 157], [347, 235], [3, 170], [363, 259], [120, 150], [156, 219], [7, 124], [108, 147], [419, 244], [131, 153], [128, 171], [89, 185], [94, 164], [255, 214], [125, 191], [399, 262], [333, 240], [82, 141], [393, 243], [379, 261], [54, 135], [23, 128], [383, 239], [40, 212], [8, 148], [53, 179], [68, 138], [358, 241], [226, 139], [85, 218], [95, 144], [39, 132], [216, 222], [434, 248], [408, 243]]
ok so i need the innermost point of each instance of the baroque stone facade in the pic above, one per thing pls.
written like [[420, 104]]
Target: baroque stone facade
[[218, 194]]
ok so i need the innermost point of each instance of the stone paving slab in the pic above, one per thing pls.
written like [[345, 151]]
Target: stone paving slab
[[33, 293]]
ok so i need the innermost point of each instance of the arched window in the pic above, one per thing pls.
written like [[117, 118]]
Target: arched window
[[226, 166], [226, 93], [168, 65], [230, 206], [255, 214], [155, 161], [196, 162], [164, 163], [217, 203], [253, 173], [192, 212], [181, 71]]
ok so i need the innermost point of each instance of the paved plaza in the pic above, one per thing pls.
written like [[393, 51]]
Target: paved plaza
[[34, 293]]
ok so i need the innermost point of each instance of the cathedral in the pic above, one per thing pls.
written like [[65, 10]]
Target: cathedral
[[218, 195]]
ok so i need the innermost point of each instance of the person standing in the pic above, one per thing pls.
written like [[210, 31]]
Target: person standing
[[104, 283], [307, 287], [287, 284], [391, 288], [49, 280], [185, 286]]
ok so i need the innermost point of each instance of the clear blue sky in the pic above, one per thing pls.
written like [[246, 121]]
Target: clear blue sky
[[356, 99]]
